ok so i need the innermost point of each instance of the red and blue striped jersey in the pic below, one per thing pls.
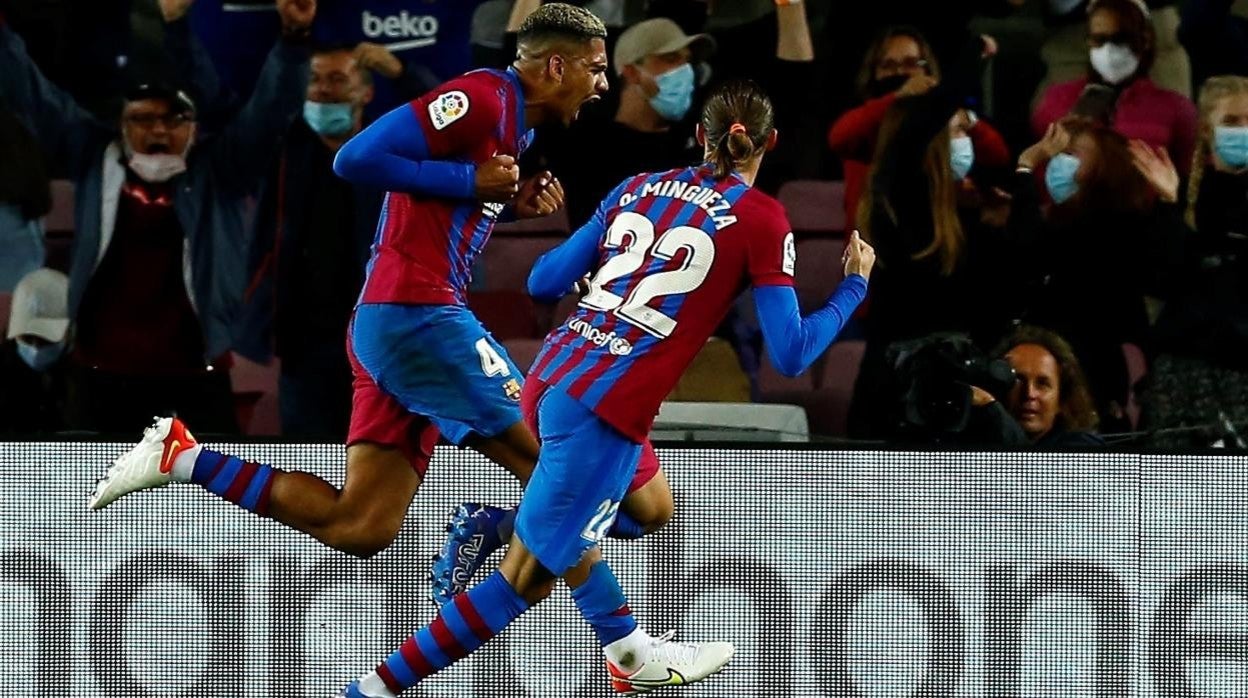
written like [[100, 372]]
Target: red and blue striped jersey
[[424, 246], [677, 249]]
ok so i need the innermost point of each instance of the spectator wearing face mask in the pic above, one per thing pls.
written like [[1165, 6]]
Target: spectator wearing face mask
[[157, 265], [31, 366], [308, 251], [935, 257], [1121, 48], [900, 64], [653, 60], [1112, 235], [1200, 374]]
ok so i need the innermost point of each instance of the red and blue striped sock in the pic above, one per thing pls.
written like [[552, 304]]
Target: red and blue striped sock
[[460, 628], [234, 480], [603, 605]]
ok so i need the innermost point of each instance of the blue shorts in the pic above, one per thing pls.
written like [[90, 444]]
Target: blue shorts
[[582, 474], [438, 361]]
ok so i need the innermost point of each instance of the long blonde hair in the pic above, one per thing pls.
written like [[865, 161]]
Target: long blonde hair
[[948, 238], [1212, 93]]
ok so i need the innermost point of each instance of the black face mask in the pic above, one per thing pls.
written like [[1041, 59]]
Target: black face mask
[[888, 85]]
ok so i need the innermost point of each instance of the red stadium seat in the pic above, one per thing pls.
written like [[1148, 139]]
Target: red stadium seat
[[506, 314], [6, 304], [818, 271], [506, 262], [814, 207], [255, 395], [836, 380], [61, 218], [1137, 368]]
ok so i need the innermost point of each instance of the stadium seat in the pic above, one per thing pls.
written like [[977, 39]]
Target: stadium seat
[[6, 304], [837, 374], [506, 314], [772, 381], [815, 207], [556, 225], [1137, 368], [61, 218], [255, 395], [818, 271], [523, 351], [715, 375], [506, 262]]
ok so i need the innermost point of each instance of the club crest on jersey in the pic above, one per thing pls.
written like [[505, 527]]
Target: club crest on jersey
[[448, 109], [512, 389], [790, 255], [617, 345]]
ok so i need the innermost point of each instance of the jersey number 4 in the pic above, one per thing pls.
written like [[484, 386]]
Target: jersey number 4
[[633, 233]]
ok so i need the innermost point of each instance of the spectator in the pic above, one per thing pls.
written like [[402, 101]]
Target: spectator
[[156, 270], [31, 365], [1065, 49], [1215, 38], [1200, 374], [653, 59], [1050, 400], [24, 199], [1121, 49], [1111, 237], [308, 252], [898, 64], [935, 259]]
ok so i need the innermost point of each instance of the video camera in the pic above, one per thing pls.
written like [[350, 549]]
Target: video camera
[[934, 375]]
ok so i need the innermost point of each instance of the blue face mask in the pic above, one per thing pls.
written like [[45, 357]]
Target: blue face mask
[[40, 358], [1231, 145], [1060, 177], [329, 118], [961, 156], [675, 93]]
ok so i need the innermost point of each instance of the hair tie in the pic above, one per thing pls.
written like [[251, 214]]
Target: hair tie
[[737, 127]]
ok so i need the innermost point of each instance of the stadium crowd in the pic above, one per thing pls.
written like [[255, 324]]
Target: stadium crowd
[[1057, 191]]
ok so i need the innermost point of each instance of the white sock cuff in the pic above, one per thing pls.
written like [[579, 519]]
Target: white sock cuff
[[184, 463]]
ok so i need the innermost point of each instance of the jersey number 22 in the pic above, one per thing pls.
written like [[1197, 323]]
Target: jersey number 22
[[634, 234]]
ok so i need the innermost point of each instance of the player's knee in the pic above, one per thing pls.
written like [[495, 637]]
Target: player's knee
[[535, 591], [363, 541], [659, 515]]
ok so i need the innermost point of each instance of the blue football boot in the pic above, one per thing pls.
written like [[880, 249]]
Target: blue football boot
[[471, 537]]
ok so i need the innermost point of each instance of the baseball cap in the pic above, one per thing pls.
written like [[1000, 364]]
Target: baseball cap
[[1138, 3], [656, 36], [40, 306], [179, 101]]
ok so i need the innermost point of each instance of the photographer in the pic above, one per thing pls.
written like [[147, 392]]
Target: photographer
[[1050, 398], [947, 392]]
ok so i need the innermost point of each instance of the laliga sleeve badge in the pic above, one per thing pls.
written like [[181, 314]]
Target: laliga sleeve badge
[[789, 262], [447, 109], [512, 389]]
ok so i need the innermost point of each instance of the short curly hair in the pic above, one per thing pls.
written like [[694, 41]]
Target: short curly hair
[[559, 21]]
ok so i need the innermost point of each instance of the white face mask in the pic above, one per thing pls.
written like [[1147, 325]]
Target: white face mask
[[156, 167], [1114, 62]]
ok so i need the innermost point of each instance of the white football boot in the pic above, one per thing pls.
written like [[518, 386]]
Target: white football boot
[[672, 664], [147, 465]]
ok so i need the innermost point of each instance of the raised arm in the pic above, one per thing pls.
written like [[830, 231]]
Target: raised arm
[[65, 131], [251, 140], [794, 342], [556, 272]]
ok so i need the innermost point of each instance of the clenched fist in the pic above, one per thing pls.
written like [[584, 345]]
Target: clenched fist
[[498, 179]]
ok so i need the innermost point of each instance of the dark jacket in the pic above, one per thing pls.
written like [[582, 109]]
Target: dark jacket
[[209, 197], [280, 217]]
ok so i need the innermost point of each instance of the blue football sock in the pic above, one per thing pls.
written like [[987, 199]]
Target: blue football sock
[[602, 604], [235, 480], [460, 628], [625, 527]]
